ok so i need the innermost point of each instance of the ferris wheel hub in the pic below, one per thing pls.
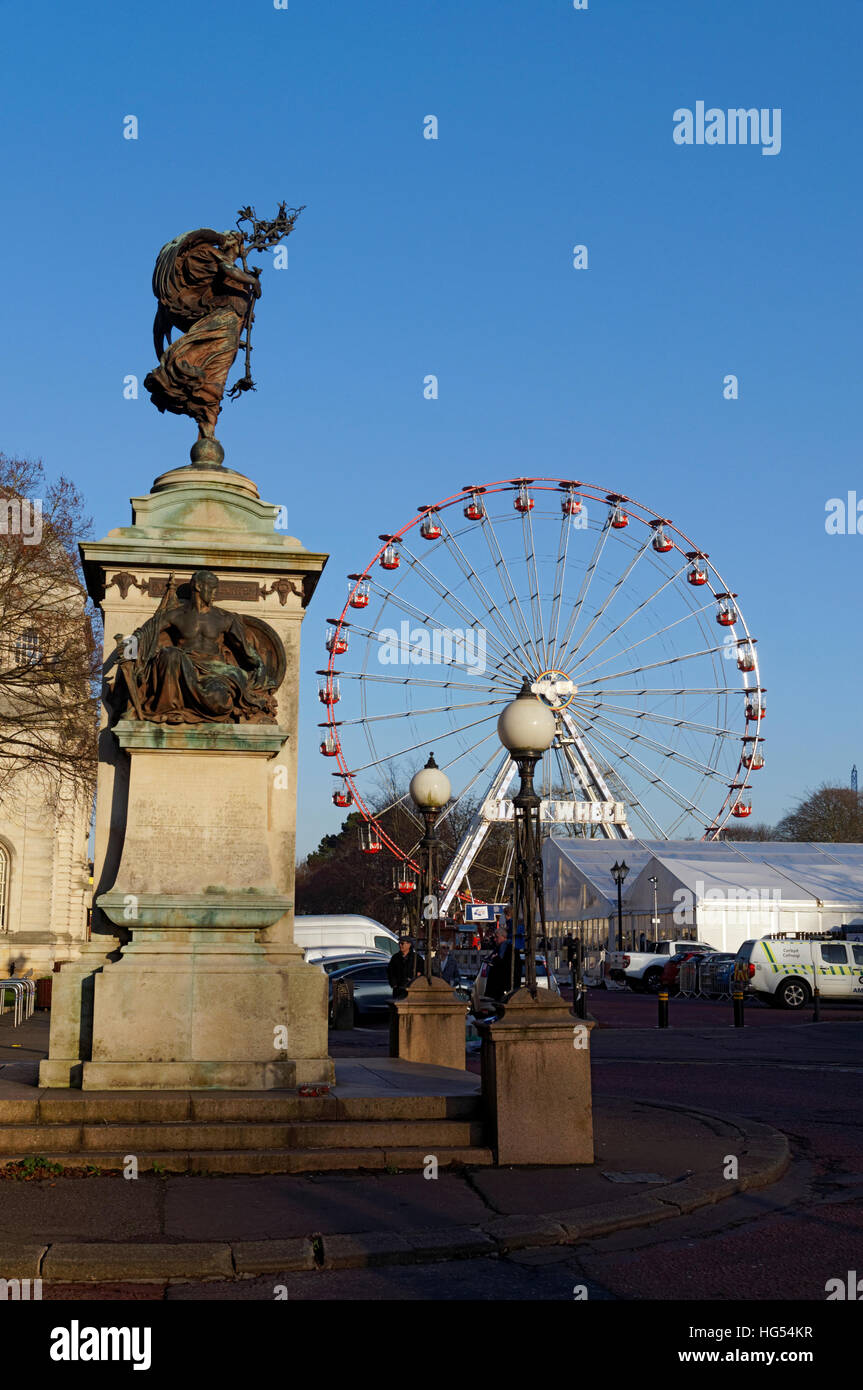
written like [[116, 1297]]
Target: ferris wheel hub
[[556, 688]]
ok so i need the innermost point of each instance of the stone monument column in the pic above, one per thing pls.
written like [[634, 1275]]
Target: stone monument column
[[191, 977]]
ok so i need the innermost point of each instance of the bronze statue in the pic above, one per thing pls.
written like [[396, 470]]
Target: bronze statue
[[193, 663], [206, 297]]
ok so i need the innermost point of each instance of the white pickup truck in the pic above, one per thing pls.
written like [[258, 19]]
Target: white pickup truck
[[642, 970]]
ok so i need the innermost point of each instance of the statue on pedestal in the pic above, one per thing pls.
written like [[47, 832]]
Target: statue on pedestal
[[193, 663], [205, 296]]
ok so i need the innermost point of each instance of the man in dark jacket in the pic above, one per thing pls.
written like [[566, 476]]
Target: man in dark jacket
[[499, 980], [404, 967]]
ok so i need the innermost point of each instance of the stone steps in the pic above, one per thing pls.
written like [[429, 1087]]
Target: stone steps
[[201, 1137], [251, 1161], [239, 1132], [160, 1107]]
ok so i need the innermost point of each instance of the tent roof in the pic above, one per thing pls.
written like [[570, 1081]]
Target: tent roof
[[792, 872]]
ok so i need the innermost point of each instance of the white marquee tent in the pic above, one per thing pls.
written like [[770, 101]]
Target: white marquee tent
[[722, 892]]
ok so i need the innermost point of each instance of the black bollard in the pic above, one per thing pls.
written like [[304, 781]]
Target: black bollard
[[816, 1000], [663, 1008], [737, 998]]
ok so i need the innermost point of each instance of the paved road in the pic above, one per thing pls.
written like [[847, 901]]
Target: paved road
[[781, 1243]]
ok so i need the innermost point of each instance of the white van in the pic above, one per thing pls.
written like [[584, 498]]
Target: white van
[[343, 934], [781, 969]]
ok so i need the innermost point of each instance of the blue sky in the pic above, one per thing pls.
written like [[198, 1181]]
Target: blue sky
[[453, 257]]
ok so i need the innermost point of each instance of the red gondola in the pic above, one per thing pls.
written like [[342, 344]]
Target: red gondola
[[390, 558], [746, 655], [570, 505], [617, 517], [661, 542], [330, 746], [359, 591], [727, 614], [523, 502], [342, 797], [328, 689], [337, 640], [474, 510], [697, 573], [430, 527], [369, 840]]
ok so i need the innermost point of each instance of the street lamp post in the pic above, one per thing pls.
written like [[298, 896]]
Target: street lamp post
[[430, 790], [618, 873], [526, 728], [655, 918]]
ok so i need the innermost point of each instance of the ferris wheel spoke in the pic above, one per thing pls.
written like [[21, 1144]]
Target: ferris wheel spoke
[[364, 719], [533, 580], [558, 587], [646, 603], [526, 644], [650, 666], [444, 592], [673, 690], [423, 743], [650, 637], [402, 802], [559, 656], [612, 593], [510, 640], [427, 681], [632, 798], [414, 649], [712, 729], [656, 746], [411, 611], [648, 774]]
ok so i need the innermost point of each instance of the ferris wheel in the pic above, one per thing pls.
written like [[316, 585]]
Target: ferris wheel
[[617, 621]]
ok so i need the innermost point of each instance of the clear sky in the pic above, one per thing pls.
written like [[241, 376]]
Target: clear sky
[[454, 257]]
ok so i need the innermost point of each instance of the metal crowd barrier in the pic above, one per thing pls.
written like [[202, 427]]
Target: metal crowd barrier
[[687, 979], [24, 998]]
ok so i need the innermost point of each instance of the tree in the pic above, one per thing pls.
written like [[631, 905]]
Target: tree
[[338, 877], [827, 814], [758, 831], [49, 657]]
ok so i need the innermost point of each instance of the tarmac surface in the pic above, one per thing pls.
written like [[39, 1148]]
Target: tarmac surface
[[671, 1106]]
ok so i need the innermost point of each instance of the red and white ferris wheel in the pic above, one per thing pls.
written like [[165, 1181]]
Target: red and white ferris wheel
[[619, 622]]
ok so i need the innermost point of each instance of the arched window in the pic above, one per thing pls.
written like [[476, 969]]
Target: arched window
[[5, 875]]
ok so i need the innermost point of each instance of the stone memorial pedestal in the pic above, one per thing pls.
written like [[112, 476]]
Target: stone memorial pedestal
[[429, 1025], [536, 1082], [192, 978]]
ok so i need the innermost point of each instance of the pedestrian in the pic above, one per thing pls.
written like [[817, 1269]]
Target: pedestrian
[[404, 967], [447, 965], [500, 979]]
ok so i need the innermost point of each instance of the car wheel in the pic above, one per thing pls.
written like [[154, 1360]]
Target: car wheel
[[653, 981], [793, 994]]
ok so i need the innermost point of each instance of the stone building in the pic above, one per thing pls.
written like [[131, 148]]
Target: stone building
[[44, 878]]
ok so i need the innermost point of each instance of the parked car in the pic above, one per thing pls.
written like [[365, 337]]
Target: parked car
[[717, 972], [642, 970], [372, 990], [545, 979], [331, 963], [670, 978], [781, 970], [344, 932]]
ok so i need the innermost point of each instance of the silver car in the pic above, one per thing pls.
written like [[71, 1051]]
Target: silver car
[[545, 979]]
